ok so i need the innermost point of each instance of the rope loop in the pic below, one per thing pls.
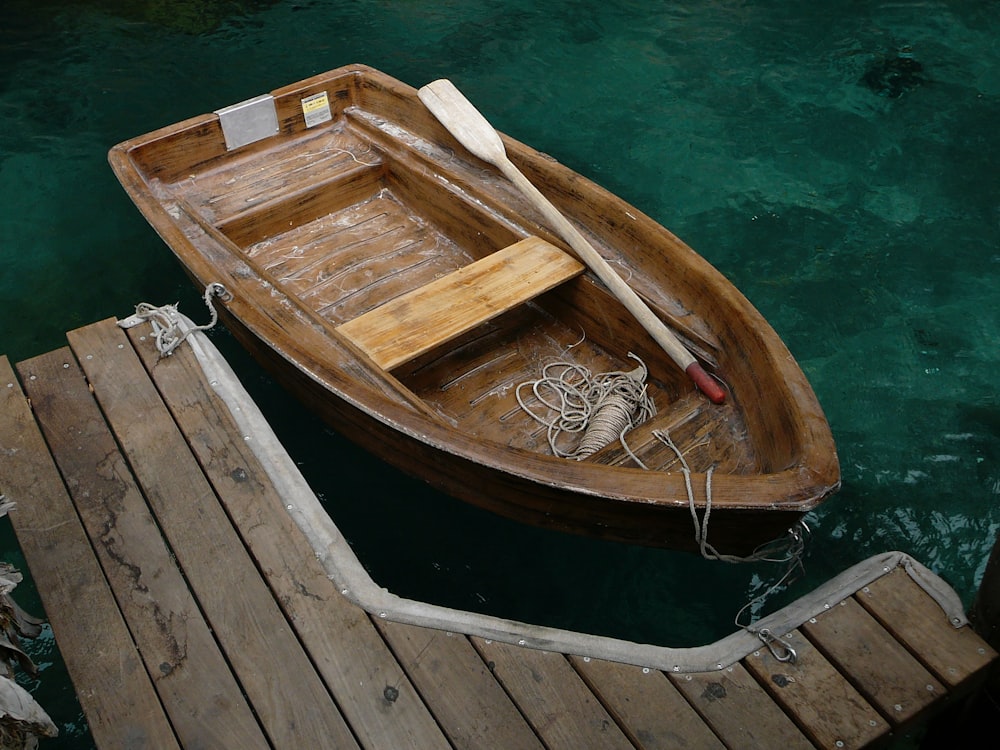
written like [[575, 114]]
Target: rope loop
[[166, 321], [601, 407]]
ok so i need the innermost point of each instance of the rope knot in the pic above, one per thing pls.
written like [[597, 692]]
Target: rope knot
[[169, 329]]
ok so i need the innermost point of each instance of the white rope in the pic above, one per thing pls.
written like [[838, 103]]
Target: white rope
[[787, 550], [167, 331], [602, 407], [778, 550]]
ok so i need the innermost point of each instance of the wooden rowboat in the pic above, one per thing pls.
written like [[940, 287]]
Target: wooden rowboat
[[403, 288]]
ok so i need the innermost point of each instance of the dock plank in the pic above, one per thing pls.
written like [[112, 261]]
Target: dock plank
[[463, 694], [113, 687], [740, 711], [371, 689], [290, 699], [204, 702], [828, 709], [875, 662], [646, 705], [954, 655], [554, 699]]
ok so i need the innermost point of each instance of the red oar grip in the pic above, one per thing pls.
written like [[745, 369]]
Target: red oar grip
[[706, 383]]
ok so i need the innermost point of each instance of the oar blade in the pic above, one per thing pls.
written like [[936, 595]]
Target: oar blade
[[463, 120]]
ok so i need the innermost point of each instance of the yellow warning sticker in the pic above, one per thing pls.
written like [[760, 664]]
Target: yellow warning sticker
[[316, 109]]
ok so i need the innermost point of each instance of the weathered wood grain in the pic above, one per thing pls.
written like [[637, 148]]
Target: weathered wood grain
[[113, 687], [290, 699], [826, 707], [740, 711], [954, 655], [647, 707], [197, 688], [551, 695], [878, 666], [190, 534], [381, 706], [464, 695]]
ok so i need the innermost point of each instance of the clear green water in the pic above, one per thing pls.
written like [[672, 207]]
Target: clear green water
[[865, 225]]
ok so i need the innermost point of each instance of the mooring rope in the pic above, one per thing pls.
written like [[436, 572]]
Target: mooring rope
[[788, 549], [603, 407], [166, 323]]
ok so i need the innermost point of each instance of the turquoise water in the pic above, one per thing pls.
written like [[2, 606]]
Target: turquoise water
[[837, 161]]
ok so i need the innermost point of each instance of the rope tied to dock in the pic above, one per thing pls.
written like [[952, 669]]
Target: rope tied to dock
[[168, 331], [602, 406]]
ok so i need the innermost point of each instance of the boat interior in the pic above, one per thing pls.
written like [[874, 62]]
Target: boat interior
[[431, 265]]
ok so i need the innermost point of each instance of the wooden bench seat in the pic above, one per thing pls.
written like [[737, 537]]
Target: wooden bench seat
[[414, 323]]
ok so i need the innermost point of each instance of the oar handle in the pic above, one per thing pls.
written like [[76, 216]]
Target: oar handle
[[473, 131], [625, 294]]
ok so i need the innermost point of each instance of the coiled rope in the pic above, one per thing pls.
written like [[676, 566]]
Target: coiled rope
[[603, 407], [167, 331]]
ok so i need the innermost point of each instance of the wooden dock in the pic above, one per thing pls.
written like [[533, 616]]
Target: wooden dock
[[192, 611]]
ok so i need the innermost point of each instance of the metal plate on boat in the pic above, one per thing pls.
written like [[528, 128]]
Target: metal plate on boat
[[248, 121]]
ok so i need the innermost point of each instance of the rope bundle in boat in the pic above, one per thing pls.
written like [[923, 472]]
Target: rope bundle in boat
[[603, 407]]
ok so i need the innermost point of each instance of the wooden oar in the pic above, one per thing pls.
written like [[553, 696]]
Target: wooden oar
[[473, 131]]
